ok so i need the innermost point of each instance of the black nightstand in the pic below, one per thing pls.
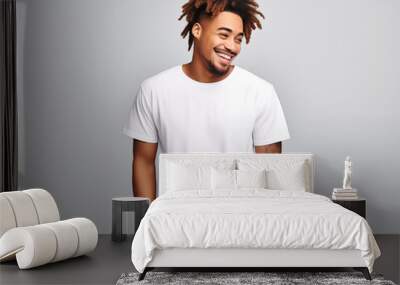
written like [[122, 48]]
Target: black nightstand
[[139, 205], [358, 206]]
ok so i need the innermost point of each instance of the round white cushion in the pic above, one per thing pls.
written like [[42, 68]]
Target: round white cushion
[[46, 207], [33, 245], [23, 208], [67, 239], [87, 233], [6, 215]]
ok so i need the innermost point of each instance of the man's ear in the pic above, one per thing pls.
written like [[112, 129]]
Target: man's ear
[[196, 30]]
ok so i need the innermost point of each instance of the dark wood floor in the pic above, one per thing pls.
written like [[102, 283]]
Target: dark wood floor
[[102, 266], [110, 260]]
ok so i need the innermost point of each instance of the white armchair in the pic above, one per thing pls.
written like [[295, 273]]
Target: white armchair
[[31, 231]]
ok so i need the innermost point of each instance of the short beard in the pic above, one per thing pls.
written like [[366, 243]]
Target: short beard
[[215, 71]]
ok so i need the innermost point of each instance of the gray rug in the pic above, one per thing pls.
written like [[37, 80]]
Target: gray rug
[[270, 278]]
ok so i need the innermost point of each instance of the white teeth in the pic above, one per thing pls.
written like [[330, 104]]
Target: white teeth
[[224, 56]]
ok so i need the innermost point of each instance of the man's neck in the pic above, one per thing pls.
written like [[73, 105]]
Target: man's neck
[[199, 72]]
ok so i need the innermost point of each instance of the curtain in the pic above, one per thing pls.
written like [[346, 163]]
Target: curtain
[[8, 97]]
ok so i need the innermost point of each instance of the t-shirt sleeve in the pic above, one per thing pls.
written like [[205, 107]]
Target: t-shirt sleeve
[[270, 125], [140, 124]]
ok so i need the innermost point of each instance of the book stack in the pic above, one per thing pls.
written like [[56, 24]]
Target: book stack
[[344, 194]]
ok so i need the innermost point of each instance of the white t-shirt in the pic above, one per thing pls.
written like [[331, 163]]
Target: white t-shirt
[[185, 115]]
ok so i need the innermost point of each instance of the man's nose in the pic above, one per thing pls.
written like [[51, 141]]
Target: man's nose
[[231, 46]]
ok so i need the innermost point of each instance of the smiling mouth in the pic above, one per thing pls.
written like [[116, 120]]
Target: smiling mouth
[[226, 57]]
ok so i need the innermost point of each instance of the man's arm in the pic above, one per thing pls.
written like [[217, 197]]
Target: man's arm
[[143, 169], [269, 148]]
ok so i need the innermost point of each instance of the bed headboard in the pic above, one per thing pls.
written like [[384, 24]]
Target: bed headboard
[[215, 158]]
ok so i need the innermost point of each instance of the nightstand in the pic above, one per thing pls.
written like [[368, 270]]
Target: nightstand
[[358, 206], [139, 205]]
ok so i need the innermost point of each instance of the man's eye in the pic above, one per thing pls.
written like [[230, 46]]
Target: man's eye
[[223, 35]]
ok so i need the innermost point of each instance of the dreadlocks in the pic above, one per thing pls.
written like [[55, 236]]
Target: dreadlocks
[[246, 9]]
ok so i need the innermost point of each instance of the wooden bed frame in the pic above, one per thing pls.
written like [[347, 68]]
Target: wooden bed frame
[[240, 259]]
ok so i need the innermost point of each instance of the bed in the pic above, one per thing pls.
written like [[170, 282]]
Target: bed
[[242, 210]]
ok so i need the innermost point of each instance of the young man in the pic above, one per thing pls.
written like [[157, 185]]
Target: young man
[[207, 105]]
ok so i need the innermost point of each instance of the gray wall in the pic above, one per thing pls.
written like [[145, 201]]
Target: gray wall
[[333, 63]]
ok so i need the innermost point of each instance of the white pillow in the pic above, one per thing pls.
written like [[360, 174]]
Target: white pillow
[[223, 179], [220, 163], [282, 174], [251, 178], [290, 178], [181, 177], [236, 179]]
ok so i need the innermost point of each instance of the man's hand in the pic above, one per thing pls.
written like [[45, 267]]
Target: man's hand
[[269, 148], [143, 169]]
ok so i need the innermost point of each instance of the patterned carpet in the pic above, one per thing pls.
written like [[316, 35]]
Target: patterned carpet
[[269, 278]]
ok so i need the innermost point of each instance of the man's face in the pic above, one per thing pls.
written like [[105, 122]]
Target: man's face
[[220, 41]]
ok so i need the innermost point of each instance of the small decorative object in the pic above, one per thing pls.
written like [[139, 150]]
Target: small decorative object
[[347, 173], [346, 192]]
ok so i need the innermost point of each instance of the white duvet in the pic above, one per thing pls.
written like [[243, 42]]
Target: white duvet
[[250, 218]]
